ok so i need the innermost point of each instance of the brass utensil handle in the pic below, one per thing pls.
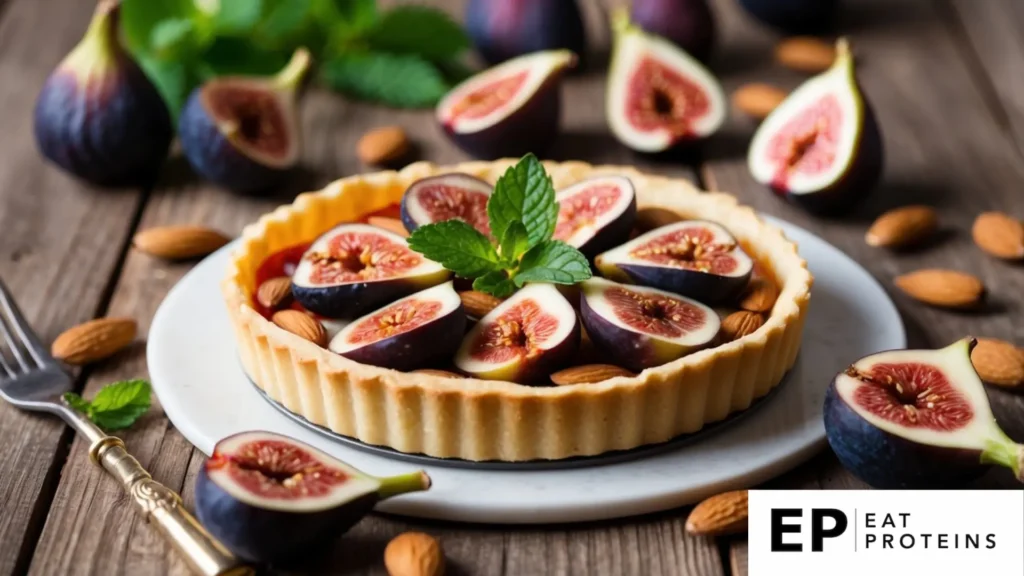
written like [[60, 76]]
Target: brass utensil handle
[[162, 508]]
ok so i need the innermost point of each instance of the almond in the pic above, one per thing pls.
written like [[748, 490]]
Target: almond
[[94, 340], [302, 325], [805, 54], [903, 227], [757, 100], [1000, 235], [651, 218], [739, 324], [478, 304], [760, 295], [382, 146], [391, 224], [998, 362], [275, 293], [179, 242], [414, 554], [943, 288], [719, 515], [441, 373], [589, 374]]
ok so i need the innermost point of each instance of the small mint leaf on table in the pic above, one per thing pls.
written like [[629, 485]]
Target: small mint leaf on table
[[553, 261], [170, 38], [495, 283], [457, 246], [115, 406], [421, 30], [77, 402], [524, 194], [514, 243], [237, 16], [402, 80]]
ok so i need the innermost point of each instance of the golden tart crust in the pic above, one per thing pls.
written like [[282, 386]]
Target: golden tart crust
[[492, 420]]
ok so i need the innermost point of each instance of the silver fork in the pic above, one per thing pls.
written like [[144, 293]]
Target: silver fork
[[31, 379]]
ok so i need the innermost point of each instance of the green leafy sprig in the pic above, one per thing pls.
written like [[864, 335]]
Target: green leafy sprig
[[115, 406], [522, 213]]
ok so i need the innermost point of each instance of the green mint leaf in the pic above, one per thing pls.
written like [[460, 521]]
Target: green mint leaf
[[138, 19], [120, 404], [356, 14], [228, 56], [455, 70], [513, 243], [553, 261], [457, 246], [421, 30], [171, 79], [77, 402], [284, 19], [171, 38], [524, 194], [237, 16], [495, 283], [404, 81]]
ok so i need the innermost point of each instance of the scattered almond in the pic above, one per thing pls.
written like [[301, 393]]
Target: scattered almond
[[414, 554], [94, 340], [903, 227], [179, 242], [740, 323], [589, 374], [944, 288], [441, 373], [719, 515], [757, 100], [805, 54], [391, 224], [478, 304], [760, 296], [651, 218], [998, 362], [382, 146], [275, 293], [1000, 235], [302, 325]]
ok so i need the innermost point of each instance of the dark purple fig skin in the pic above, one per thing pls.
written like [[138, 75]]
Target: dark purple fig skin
[[504, 29], [417, 348], [628, 349], [689, 24], [110, 129], [794, 16], [708, 288], [553, 360], [354, 300], [614, 233]]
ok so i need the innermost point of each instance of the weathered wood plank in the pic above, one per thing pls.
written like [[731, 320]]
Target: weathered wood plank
[[60, 243], [738, 558]]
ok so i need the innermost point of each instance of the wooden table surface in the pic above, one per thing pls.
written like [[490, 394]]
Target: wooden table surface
[[944, 79]]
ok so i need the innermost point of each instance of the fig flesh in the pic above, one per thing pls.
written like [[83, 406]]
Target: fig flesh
[[408, 333], [820, 148], [510, 109], [271, 498], [644, 327], [527, 337], [689, 24], [698, 259], [794, 16], [596, 214], [98, 116], [916, 419], [242, 132], [502, 30], [447, 197], [353, 269], [658, 95]]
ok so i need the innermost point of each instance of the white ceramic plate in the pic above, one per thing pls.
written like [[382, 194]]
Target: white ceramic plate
[[200, 384]]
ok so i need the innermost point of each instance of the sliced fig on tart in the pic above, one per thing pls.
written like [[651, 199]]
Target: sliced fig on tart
[[527, 337], [820, 148], [658, 95], [355, 268], [510, 109], [408, 333], [596, 214], [916, 419], [695, 258], [643, 327], [446, 197]]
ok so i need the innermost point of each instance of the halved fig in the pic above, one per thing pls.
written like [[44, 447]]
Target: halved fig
[[270, 498], [916, 419], [446, 197], [355, 268], [526, 338], [596, 214], [406, 334], [644, 327], [658, 95], [510, 109], [820, 148], [695, 258]]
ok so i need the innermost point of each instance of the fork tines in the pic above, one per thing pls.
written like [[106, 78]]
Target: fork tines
[[20, 349]]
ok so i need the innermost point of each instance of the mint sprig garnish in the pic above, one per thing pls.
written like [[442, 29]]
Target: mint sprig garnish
[[522, 213], [115, 406]]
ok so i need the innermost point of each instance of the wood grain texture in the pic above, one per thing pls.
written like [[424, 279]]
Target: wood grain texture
[[60, 243]]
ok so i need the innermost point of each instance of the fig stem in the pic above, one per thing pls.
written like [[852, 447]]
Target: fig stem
[[620, 19], [395, 485], [290, 76], [843, 52], [99, 43], [1005, 452]]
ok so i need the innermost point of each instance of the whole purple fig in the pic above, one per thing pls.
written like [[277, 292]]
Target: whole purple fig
[[689, 24], [504, 29], [98, 116]]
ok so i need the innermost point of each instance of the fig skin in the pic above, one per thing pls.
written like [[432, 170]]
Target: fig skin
[[612, 234], [794, 16], [708, 288], [689, 24], [502, 30], [98, 116]]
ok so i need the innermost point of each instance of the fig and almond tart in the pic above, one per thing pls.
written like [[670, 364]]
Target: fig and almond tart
[[515, 310]]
